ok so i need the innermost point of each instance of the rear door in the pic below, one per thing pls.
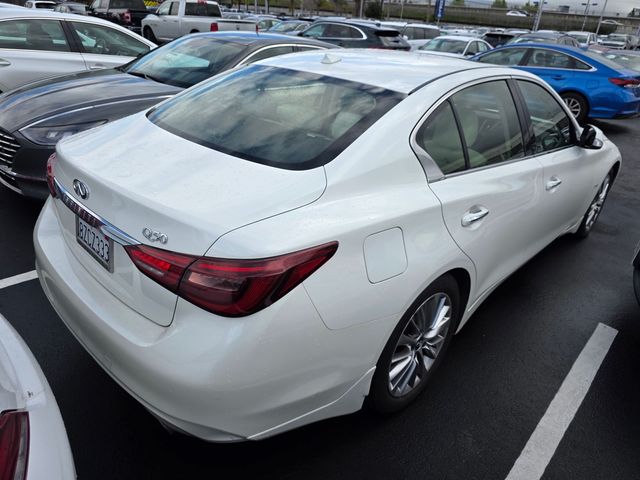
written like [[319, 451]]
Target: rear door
[[568, 184], [32, 49], [105, 47], [490, 192], [555, 68]]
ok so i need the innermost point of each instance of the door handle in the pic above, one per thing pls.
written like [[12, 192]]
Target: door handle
[[475, 213], [97, 66], [553, 183], [4, 63]]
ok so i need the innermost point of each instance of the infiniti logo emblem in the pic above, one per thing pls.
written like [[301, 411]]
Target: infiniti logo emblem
[[81, 189], [154, 236]]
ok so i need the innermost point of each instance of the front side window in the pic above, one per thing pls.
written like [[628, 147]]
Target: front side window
[[164, 9], [489, 122], [439, 137], [472, 49], [274, 116], [482, 47], [175, 8], [508, 56], [33, 35], [315, 31], [103, 40], [552, 127]]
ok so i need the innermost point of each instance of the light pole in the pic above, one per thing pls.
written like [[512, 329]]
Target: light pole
[[536, 23], [586, 12], [601, 15]]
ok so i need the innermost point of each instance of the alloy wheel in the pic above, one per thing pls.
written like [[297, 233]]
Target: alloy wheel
[[596, 206], [574, 106], [419, 344]]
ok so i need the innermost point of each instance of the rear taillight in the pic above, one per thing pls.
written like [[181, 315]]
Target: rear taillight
[[625, 82], [51, 163], [214, 27], [126, 16], [14, 445], [232, 288]]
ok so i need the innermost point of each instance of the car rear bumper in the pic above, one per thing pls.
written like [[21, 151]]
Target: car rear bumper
[[50, 455], [220, 379]]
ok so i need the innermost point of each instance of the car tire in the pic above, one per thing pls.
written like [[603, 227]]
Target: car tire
[[577, 104], [418, 342], [595, 207], [148, 34]]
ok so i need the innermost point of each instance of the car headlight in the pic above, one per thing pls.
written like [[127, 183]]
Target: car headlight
[[53, 134]]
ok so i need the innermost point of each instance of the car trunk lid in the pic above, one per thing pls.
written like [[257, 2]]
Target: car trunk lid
[[142, 178]]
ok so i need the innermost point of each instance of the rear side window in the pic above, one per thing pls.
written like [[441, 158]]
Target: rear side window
[[551, 59], [439, 137], [101, 39], [274, 116], [551, 125], [33, 35]]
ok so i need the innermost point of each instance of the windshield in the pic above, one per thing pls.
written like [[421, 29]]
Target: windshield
[[187, 61], [274, 116], [447, 45], [617, 37]]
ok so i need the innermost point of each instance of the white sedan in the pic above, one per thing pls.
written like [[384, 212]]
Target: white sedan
[[36, 44], [455, 46], [33, 440], [283, 242]]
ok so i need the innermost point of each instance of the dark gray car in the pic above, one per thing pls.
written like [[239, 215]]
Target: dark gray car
[[35, 117]]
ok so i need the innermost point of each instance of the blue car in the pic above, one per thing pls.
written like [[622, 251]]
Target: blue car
[[590, 84]]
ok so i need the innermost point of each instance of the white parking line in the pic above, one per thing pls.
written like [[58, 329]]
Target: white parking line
[[546, 437], [16, 279]]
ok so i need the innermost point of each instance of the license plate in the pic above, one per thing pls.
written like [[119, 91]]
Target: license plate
[[96, 243]]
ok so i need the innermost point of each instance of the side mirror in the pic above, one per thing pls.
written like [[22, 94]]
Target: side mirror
[[588, 139]]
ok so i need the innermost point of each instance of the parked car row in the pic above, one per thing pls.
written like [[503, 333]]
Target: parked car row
[[415, 184]]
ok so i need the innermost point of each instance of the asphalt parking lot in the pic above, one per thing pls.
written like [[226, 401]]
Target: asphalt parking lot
[[500, 375]]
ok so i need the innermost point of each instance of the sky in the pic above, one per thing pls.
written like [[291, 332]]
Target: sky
[[622, 7]]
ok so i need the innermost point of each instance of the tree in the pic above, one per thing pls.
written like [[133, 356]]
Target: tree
[[499, 4], [373, 10]]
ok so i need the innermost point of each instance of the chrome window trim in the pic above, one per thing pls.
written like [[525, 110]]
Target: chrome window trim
[[262, 49], [429, 165], [591, 67], [93, 218]]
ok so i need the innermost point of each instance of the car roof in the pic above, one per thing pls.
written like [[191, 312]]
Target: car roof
[[263, 38], [543, 35], [374, 25], [398, 71], [549, 46]]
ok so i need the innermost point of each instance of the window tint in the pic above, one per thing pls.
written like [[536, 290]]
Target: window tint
[[335, 30], [439, 137], [132, 4], [33, 35], [552, 127], [269, 52], [175, 7], [275, 116], [550, 59], [200, 9], [508, 56], [107, 41], [315, 31], [489, 121]]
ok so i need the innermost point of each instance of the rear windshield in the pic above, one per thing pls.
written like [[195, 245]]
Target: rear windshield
[[447, 45], [623, 59], [274, 116], [45, 5], [201, 9], [132, 4]]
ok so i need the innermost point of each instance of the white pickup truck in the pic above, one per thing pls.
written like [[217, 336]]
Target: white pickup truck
[[175, 18]]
